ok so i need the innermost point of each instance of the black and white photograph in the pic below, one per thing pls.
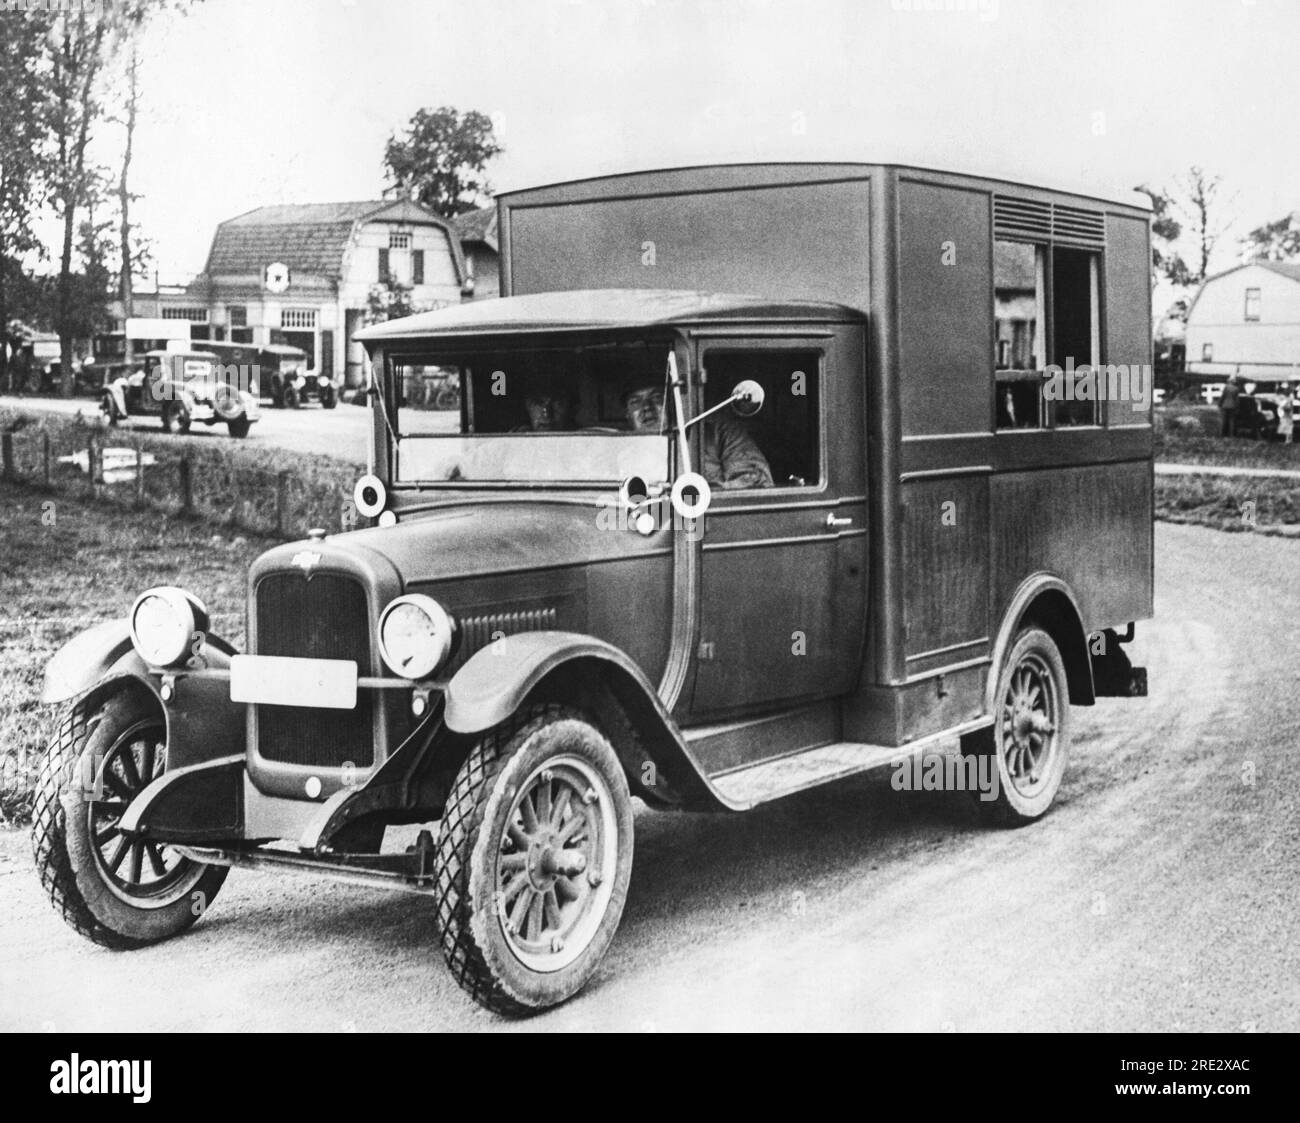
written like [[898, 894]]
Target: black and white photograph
[[651, 516]]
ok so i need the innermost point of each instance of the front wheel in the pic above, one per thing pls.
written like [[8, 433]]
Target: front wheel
[[1028, 745], [119, 890], [533, 861], [238, 426], [328, 398], [108, 410], [175, 418], [291, 398]]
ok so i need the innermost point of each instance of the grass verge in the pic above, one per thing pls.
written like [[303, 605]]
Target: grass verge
[[66, 564], [1254, 504]]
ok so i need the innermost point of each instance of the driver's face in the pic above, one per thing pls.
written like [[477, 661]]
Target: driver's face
[[546, 412], [645, 409]]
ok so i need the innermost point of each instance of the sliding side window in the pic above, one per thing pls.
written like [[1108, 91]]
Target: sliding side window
[[1076, 329], [1018, 304]]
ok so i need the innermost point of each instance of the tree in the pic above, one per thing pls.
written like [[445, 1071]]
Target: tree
[[134, 18], [1274, 241], [440, 161], [78, 58], [24, 154], [1166, 230], [1206, 212], [389, 300]]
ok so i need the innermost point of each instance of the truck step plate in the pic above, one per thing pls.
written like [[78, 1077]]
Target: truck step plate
[[786, 775]]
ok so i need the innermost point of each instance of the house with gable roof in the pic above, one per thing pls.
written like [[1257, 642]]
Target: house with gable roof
[[1246, 321]]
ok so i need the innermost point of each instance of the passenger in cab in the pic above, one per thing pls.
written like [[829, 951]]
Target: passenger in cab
[[731, 458]]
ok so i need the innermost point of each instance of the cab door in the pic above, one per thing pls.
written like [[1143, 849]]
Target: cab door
[[783, 568]]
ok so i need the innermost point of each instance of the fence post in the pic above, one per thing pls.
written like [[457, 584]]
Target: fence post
[[45, 454], [7, 445], [281, 502], [139, 474], [94, 466], [187, 493]]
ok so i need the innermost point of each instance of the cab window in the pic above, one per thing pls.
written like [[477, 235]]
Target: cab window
[[780, 445]]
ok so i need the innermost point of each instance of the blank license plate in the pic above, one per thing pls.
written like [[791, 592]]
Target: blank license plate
[[279, 680]]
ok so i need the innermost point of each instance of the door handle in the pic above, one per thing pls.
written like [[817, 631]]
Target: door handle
[[832, 522]]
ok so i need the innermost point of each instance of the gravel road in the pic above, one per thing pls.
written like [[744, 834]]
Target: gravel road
[[1160, 893]]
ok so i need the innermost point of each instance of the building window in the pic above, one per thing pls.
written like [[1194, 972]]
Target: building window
[[1252, 304], [298, 318], [385, 272], [1207, 352], [399, 240], [238, 314], [193, 315], [417, 267], [241, 335]]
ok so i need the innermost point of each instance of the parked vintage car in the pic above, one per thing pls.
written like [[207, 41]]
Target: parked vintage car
[[288, 381], [181, 388], [705, 549], [1257, 415]]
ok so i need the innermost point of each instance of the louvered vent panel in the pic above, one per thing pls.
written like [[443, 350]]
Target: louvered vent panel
[[1021, 218], [1075, 227], [477, 632], [1029, 220]]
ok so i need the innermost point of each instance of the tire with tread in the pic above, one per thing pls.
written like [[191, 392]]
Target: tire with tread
[[471, 836], [63, 848]]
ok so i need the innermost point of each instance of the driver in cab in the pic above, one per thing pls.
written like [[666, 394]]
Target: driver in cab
[[731, 458]]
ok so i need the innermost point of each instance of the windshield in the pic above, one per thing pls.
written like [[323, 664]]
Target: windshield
[[540, 416]]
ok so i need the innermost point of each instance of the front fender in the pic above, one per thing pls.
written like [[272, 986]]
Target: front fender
[[203, 724], [86, 659], [496, 679]]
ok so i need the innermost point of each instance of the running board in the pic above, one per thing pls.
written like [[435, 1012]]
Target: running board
[[810, 768]]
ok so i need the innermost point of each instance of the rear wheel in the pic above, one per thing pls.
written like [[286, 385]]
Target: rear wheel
[[291, 397], [533, 861], [108, 410], [239, 426], [119, 890], [1028, 745], [328, 398]]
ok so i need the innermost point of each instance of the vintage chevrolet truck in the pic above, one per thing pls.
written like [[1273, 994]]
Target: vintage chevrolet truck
[[754, 485]]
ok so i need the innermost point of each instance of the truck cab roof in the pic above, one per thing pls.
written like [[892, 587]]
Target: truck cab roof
[[608, 309]]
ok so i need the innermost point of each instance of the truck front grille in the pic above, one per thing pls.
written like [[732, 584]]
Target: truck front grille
[[325, 617]]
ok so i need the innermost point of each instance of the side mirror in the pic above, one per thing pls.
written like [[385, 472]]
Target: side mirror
[[747, 398]]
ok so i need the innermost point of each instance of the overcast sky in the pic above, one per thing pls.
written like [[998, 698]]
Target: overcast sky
[[267, 101]]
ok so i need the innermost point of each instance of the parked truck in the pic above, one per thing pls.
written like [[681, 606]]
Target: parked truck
[[762, 477]]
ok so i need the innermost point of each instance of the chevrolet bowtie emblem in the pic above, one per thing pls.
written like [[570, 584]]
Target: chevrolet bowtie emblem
[[305, 560]]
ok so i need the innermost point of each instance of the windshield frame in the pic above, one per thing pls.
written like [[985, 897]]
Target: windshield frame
[[386, 426]]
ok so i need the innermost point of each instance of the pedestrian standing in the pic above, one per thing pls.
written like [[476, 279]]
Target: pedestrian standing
[[1228, 406], [1286, 415]]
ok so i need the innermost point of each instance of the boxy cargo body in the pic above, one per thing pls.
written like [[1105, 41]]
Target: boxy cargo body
[[960, 513]]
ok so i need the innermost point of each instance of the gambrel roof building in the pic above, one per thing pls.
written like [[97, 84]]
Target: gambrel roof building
[[303, 274]]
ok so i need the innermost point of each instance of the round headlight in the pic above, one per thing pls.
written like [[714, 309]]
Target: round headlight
[[164, 624], [416, 636]]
